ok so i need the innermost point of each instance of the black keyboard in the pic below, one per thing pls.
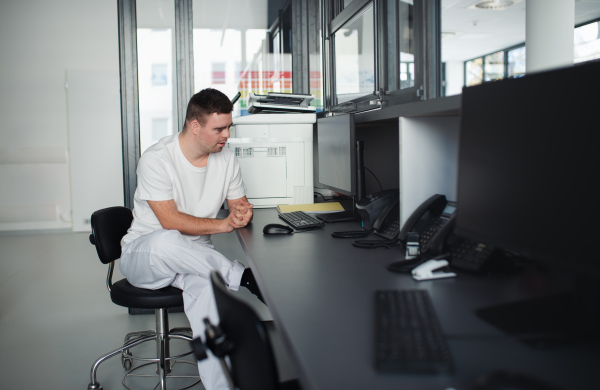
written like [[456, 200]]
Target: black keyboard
[[300, 220], [408, 337]]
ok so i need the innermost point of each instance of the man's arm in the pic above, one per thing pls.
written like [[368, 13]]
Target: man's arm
[[172, 219]]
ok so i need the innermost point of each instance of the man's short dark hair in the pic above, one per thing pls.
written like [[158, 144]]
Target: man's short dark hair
[[205, 103]]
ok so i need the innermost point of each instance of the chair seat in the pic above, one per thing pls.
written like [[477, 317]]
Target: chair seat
[[124, 294]]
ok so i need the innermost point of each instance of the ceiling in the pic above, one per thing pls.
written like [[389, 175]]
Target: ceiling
[[470, 33]]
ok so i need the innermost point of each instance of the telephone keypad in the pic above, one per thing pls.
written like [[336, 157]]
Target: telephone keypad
[[431, 231], [394, 227], [470, 255]]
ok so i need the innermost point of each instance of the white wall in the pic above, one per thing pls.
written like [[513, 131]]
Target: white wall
[[455, 77], [39, 41]]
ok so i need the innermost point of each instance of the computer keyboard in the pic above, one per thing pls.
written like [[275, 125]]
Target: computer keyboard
[[300, 220], [408, 337]]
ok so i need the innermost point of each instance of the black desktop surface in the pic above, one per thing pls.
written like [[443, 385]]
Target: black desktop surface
[[321, 289]]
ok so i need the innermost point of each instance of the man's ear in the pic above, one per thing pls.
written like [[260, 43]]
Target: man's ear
[[195, 127]]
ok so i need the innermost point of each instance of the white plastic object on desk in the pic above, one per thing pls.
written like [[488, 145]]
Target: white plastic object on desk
[[425, 270]]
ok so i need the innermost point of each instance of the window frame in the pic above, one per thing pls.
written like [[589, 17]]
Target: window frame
[[427, 64]]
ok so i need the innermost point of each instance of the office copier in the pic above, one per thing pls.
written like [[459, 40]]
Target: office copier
[[275, 152]]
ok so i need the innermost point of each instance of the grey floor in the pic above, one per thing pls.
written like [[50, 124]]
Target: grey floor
[[56, 316]]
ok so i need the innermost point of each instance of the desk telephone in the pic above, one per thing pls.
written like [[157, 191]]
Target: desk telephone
[[434, 220], [380, 212]]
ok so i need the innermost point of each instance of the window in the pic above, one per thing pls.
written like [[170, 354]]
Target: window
[[406, 43], [516, 62], [354, 58], [586, 48], [160, 128], [156, 71], [587, 42], [494, 66], [374, 54], [218, 73], [474, 71], [159, 74]]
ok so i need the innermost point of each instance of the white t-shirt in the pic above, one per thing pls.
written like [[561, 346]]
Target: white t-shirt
[[163, 173]]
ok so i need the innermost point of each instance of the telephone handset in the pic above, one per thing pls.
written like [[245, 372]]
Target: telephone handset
[[434, 221], [387, 223], [380, 213]]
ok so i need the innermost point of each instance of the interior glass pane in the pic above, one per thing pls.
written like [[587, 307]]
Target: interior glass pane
[[407, 43], [231, 51], [494, 66], [587, 42], [315, 54], [156, 70], [354, 58], [474, 71], [516, 62]]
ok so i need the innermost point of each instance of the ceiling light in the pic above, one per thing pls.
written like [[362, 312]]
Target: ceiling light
[[496, 5]]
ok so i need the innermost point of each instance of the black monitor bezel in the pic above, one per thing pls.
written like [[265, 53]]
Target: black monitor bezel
[[544, 111]]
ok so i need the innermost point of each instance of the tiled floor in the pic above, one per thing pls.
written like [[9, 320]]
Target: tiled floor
[[56, 317]]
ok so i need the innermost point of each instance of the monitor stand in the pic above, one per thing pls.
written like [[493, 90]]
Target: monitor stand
[[556, 319]]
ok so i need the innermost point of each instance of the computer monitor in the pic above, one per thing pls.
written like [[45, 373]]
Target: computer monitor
[[529, 164], [336, 142], [528, 169]]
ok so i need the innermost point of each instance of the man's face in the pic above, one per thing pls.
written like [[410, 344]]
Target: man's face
[[214, 135]]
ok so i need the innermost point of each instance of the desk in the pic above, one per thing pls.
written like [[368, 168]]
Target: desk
[[320, 291]]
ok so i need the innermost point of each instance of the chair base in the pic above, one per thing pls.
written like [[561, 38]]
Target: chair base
[[162, 336], [130, 374]]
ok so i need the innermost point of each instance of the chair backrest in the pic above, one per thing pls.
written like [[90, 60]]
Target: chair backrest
[[253, 365], [108, 228]]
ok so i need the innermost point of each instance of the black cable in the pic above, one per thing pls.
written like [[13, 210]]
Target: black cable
[[307, 230], [322, 196], [380, 186], [352, 234], [372, 244]]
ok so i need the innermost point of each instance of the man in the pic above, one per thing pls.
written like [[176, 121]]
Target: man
[[182, 182]]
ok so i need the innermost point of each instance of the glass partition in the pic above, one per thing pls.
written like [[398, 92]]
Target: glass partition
[[474, 72], [494, 66], [354, 57], [587, 42], [315, 56], [406, 43], [516, 62], [231, 50]]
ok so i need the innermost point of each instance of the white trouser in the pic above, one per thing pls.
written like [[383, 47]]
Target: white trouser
[[166, 257]]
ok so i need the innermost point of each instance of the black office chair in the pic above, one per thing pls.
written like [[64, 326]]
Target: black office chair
[[108, 228], [245, 340]]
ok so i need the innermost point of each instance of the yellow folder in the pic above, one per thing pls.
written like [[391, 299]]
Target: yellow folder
[[314, 208]]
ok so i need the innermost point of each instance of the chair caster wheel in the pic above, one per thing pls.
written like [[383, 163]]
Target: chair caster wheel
[[126, 362]]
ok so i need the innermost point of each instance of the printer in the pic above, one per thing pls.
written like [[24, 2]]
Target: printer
[[275, 153]]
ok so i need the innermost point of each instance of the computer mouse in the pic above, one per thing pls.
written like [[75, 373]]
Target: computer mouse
[[274, 228]]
